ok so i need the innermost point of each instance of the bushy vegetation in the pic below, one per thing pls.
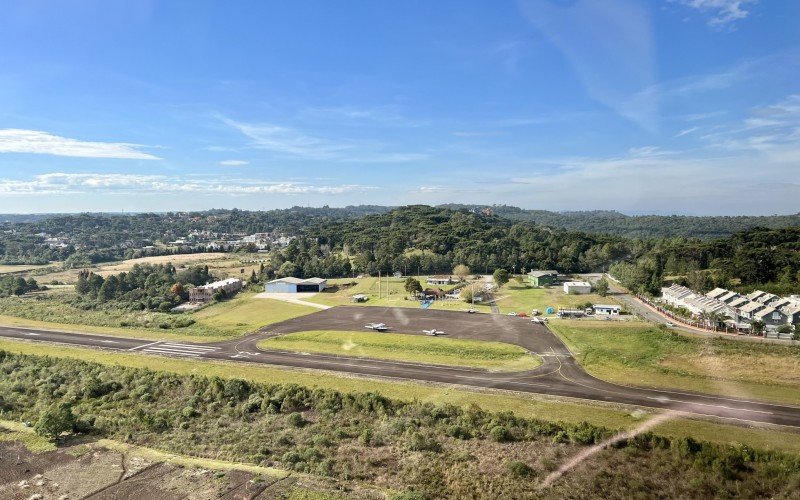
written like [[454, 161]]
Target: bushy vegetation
[[11, 285], [146, 286], [426, 450]]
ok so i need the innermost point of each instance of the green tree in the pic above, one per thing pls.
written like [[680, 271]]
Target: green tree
[[461, 271], [412, 285], [500, 277], [601, 287], [55, 420]]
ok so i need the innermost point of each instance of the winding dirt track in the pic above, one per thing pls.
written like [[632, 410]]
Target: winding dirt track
[[559, 375]]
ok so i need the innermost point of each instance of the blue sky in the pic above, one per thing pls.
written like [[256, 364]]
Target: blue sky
[[660, 106]]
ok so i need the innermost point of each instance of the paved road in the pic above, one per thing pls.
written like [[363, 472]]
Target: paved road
[[559, 375]]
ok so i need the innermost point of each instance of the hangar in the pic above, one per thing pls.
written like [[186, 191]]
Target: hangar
[[296, 285]]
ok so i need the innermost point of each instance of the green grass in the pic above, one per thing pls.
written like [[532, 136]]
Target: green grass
[[495, 356], [16, 268], [220, 321], [531, 406], [514, 297], [392, 293], [637, 353], [15, 431]]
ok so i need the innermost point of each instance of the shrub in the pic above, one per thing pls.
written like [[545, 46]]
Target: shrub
[[296, 420], [500, 434], [519, 469]]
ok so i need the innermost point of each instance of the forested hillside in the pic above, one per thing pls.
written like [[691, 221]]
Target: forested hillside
[[642, 226], [422, 239]]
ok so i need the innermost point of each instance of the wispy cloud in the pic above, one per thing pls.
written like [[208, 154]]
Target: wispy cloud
[[687, 131], [75, 183], [37, 142], [350, 115], [289, 142], [603, 40], [722, 13], [234, 163]]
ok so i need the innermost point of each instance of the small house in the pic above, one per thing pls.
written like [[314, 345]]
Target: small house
[[542, 278]]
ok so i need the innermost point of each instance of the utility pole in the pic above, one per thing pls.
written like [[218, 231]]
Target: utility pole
[[379, 285]]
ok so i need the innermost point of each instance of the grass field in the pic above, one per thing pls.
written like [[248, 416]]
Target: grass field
[[240, 315], [221, 265], [532, 406], [513, 297], [495, 356], [5, 268], [392, 294], [638, 353]]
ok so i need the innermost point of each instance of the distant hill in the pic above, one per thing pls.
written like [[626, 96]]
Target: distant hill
[[639, 226]]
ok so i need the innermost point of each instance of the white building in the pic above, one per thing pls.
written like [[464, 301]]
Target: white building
[[577, 287], [205, 293], [606, 310]]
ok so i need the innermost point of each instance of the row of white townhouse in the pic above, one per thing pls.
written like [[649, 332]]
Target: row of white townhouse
[[741, 310]]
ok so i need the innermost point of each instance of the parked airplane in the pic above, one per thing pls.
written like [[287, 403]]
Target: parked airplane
[[379, 327], [434, 332]]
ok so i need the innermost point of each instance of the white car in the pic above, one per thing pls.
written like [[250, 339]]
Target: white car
[[512, 313], [669, 324]]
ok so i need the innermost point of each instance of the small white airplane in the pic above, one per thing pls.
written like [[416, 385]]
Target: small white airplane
[[434, 332], [378, 327]]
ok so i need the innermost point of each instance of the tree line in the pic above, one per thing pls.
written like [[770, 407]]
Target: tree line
[[145, 286]]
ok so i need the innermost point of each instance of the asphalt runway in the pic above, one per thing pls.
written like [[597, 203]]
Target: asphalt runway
[[559, 375]]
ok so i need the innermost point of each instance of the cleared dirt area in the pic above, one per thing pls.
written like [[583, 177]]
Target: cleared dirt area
[[93, 472]]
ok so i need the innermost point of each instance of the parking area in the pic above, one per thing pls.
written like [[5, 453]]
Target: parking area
[[459, 325]]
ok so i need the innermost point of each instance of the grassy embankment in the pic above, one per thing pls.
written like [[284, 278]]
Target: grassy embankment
[[638, 353], [393, 294], [514, 297], [494, 356], [532, 406], [240, 315]]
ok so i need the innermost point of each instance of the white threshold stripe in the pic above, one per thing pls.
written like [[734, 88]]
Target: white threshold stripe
[[168, 351], [144, 345], [190, 347], [665, 400]]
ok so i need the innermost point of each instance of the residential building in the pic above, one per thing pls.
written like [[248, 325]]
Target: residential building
[[296, 285], [749, 310], [771, 317], [205, 293], [440, 279]]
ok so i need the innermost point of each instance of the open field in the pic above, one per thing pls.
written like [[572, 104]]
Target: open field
[[513, 297], [637, 353], [222, 265], [393, 295], [8, 268], [542, 407], [240, 315], [495, 356]]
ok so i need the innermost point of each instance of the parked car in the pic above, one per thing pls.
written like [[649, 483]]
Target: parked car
[[669, 324]]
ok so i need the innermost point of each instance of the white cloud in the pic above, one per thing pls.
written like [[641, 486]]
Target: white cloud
[[37, 142], [723, 12], [67, 183], [234, 163]]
